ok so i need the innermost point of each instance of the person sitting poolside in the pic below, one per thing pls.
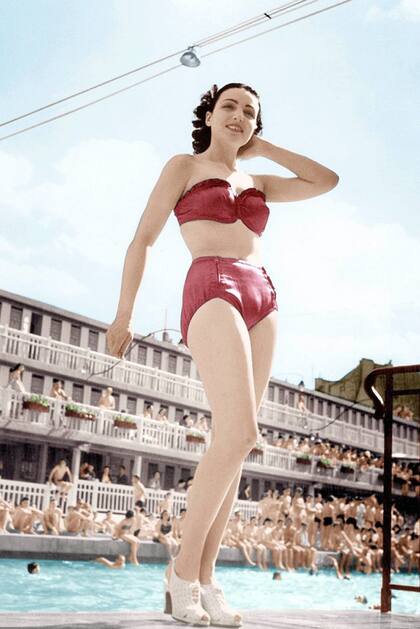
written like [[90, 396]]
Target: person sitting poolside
[[108, 524], [24, 517], [6, 511], [124, 530], [164, 535], [77, 520], [119, 562], [51, 520]]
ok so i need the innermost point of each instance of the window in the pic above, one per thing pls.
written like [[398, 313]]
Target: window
[[142, 355], [329, 409], [152, 468], [320, 407], [337, 412], [311, 404], [172, 363], [291, 398], [15, 320], [75, 333], [37, 384], [77, 393], [132, 405], [281, 396], [255, 489], [95, 396], [179, 414], [55, 329], [270, 392], [186, 367], [93, 340], [36, 323], [185, 473], [157, 358], [169, 477], [116, 397]]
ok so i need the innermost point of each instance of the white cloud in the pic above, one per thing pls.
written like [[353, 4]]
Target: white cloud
[[402, 10], [35, 279], [96, 200], [346, 288]]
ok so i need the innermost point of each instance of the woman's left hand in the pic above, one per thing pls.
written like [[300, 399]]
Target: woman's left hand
[[253, 148]]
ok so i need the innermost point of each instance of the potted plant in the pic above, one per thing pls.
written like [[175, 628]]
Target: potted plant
[[258, 448], [193, 435], [125, 421], [348, 468], [74, 410], [36, 403], [303, 458], [325, 464]]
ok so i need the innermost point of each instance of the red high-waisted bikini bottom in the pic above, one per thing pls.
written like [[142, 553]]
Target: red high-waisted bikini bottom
[[244, 285]]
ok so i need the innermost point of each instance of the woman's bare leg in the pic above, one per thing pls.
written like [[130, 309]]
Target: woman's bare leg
[[216, 532], [262, 339], [224, 357]]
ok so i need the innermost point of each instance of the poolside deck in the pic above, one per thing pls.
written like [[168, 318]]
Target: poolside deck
[[253, 619]]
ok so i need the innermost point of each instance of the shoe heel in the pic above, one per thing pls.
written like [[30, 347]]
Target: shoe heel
[[168, 603], [167, 597]]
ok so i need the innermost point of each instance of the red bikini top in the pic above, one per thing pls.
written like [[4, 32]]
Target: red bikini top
[[219, 203]]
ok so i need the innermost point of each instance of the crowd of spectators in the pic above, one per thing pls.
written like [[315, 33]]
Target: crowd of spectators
[[291, 528], [405, 474]]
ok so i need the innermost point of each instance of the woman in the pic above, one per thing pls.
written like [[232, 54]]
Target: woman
[[15, 378], [124, 530], [245, 494], [228, 309], [106, 475], [163, 533]]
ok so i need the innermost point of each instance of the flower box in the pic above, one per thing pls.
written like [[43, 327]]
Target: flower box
[[325, 464], [123, 423], [72, 410], [32, 405], [303, 460], [195, 438]]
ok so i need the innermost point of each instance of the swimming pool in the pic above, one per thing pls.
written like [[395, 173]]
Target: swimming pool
[[87, 586]]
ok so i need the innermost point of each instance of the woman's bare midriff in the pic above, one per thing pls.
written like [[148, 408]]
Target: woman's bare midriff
[[210, 238]]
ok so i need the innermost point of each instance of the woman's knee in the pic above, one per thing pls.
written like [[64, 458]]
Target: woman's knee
[[234, 447]]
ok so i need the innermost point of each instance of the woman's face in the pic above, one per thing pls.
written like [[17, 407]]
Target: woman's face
[[242, 113]]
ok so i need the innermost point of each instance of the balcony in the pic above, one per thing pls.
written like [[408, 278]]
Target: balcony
[[162, 439], [78, 362]]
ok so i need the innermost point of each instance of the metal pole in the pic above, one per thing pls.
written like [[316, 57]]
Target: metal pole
[[386, 558]]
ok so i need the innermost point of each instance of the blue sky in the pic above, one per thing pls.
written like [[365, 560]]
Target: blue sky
[[339, 88]]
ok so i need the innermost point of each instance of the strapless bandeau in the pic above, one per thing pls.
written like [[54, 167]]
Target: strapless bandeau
[[214, 200]]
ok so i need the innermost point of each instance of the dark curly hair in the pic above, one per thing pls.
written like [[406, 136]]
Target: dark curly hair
[[202, 133]]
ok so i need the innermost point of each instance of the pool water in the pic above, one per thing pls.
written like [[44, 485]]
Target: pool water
[[88, 586]]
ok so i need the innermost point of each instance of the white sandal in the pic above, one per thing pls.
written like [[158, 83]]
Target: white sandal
[[182, 599], [214, 603]]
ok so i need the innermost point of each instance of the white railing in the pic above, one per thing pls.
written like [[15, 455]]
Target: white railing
[[162, 438], [60, 355], [102, 497]]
